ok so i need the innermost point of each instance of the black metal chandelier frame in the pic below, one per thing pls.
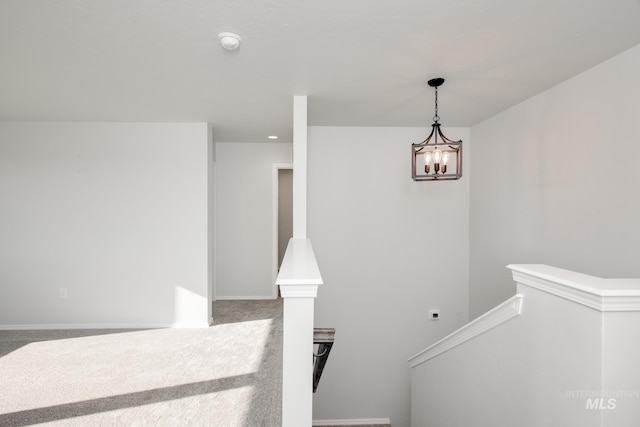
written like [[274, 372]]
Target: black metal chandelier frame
[[436, 150]]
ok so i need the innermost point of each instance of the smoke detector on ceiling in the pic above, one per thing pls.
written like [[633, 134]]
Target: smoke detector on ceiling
[[229, 41]]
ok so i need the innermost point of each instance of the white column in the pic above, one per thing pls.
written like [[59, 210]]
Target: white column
[[298, 280], [297, 381], [300, 167]]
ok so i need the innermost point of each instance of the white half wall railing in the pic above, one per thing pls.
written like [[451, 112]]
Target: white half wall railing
[[563, 351], [298, 280]]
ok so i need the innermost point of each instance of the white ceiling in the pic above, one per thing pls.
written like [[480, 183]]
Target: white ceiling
[[362, 63]]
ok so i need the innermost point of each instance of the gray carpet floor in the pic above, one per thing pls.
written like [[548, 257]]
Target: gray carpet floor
[[228, 375]]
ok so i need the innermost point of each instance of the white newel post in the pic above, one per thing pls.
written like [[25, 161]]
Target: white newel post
[[298, 280]]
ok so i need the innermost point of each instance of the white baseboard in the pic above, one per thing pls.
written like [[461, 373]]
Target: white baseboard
[[244, 297], [25, 327], [361, 422]]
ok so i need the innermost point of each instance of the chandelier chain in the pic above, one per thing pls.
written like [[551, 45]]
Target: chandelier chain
[[436, 118]]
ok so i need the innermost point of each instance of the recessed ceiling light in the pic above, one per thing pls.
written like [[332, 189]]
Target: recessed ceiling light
[[273, 137], [229, 41]]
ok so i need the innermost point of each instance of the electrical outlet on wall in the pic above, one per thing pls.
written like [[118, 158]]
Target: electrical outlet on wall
[[64, 293], [434, 314]]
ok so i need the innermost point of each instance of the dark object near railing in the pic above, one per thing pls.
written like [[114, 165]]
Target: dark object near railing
[[324, 338]]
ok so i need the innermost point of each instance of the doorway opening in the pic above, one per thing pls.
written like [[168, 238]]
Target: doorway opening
[[282, 215]]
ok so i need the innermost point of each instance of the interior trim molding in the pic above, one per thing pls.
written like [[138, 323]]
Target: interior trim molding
[[50, 326], [498, 315], [245, 297], [605, 295], [353, 422]]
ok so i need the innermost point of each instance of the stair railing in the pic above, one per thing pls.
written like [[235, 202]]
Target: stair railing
[[323, 338]]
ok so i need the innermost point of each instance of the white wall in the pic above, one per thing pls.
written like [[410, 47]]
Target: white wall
[[389, 249], [555, 182], [527, 372], [244, 218], [116, 213], [569, 359]]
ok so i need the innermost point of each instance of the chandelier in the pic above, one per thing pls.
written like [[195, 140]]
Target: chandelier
[[437, 158]]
